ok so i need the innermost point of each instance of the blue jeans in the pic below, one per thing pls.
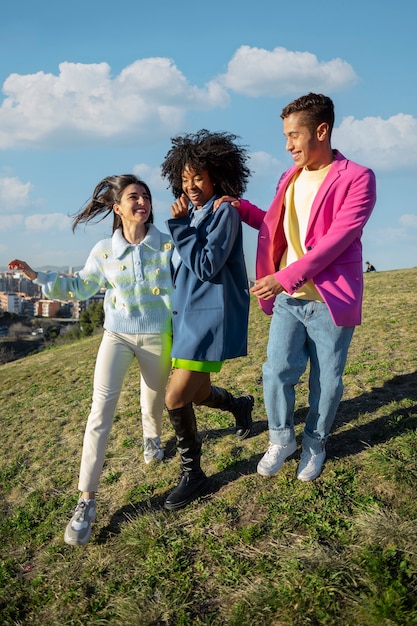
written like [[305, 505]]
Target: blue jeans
[[302, 330]]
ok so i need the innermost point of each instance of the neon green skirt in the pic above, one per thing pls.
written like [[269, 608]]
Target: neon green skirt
[[197, 366]]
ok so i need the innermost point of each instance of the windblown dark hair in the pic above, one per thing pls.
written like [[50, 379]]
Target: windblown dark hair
[[215, 152], [107, 193], [316, 109]]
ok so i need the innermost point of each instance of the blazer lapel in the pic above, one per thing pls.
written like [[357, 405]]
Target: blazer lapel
[[332, 176]]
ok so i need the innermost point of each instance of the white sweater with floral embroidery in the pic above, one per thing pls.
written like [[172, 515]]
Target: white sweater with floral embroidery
[[137, 278]]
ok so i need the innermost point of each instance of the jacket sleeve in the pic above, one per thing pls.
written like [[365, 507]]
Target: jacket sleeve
[[206, 256], [251, 214], [338, 241], [82, 286]]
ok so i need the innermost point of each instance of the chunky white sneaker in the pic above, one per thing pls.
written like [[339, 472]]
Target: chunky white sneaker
[[310, 465], [78, 530], [152, 450], [274, 458]]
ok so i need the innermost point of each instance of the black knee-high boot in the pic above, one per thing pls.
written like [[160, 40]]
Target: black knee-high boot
[[193, 481], [241, 409]]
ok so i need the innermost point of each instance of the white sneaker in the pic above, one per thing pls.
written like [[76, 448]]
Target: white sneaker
[[310, 465], [78, 530], [152, 450], [274, 458]]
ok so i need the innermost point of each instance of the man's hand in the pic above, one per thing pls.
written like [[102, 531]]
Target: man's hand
[[233, 201], [267, 287]]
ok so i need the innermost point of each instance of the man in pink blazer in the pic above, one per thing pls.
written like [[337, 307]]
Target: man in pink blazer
[[310, 278]]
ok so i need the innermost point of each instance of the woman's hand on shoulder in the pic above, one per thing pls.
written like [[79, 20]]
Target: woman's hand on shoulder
[[233, 201]]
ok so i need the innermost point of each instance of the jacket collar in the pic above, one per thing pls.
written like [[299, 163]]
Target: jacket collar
[[277, 205], [338, 158], [120, 246], [205, 207]]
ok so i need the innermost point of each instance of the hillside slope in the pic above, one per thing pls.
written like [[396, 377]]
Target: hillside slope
[[340, 550]]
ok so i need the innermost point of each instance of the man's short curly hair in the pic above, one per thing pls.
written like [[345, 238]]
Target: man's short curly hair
[[215, 152]]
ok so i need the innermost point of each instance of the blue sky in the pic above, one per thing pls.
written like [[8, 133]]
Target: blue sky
[[92, 88]]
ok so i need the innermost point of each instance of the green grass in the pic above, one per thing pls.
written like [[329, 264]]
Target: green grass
[[338, 551]]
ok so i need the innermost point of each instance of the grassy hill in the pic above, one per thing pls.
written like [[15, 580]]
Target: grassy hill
[[338, 551]]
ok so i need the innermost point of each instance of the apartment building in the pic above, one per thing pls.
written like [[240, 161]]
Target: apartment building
[[46, 308], [21, 296], [11, 302]]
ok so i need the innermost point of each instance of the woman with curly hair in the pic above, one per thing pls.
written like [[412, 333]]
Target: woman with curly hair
[[211, 292]]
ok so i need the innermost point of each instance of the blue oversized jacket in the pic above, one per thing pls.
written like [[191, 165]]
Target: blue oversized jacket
[[211, 293]]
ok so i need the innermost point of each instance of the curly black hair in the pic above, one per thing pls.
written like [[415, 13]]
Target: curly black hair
[[215, 152]]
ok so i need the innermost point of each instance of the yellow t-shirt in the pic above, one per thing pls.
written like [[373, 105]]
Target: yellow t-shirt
[[299, 198]]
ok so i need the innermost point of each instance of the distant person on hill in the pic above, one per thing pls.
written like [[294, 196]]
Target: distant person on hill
[[211, 293], [310, 278], [135, 267], [370, 267]]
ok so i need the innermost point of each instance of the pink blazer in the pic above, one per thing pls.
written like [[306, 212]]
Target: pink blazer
[[333, 259]]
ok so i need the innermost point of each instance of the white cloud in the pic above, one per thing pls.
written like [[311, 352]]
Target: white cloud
[[48, 221], [151, 176], [13, 194], [408, 220], [10, 221], [258, 72], [262, 164], [148, 99], [381, 144]]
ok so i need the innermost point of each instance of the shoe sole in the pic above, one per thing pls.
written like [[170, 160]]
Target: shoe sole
[[77, 542], [244, 435], [307, 480]]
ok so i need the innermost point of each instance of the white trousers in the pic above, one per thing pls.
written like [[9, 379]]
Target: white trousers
[[115, 355]]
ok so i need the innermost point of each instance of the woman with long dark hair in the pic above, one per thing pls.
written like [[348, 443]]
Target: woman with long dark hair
[[134, 265]]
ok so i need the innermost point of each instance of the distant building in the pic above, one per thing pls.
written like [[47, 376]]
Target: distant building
[[19, 295], [28, 306], [10, 302], [47, 308], [82, 305], [16, 282]]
